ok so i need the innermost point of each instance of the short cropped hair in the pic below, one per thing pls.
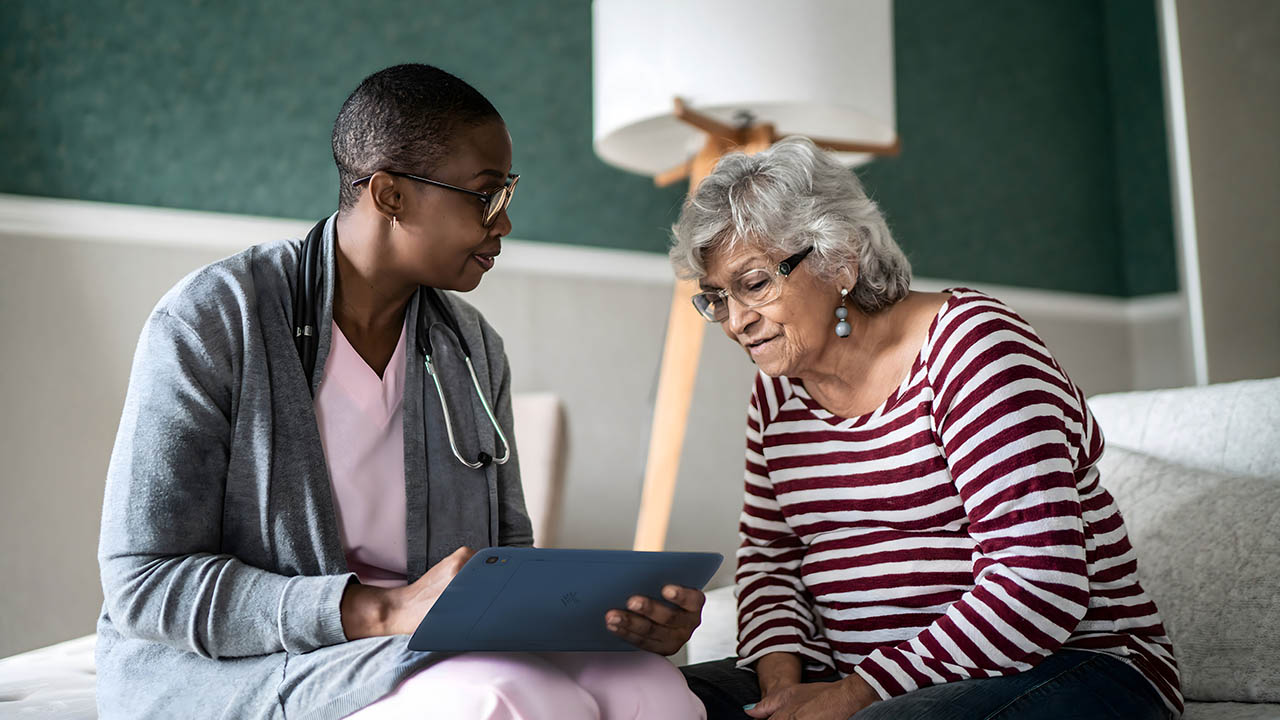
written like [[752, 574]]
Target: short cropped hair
[[787, 198], [402, 118]]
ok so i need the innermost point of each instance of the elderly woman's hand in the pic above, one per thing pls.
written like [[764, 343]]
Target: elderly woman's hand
[[655, 626], [815, 701]]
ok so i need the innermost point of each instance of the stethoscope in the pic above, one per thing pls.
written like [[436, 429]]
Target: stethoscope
[[306, 338]]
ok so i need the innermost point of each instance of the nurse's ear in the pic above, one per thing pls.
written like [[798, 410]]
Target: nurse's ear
[[385, 193]]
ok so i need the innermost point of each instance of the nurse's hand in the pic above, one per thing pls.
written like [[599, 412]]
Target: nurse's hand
[[655, 626], [373, 611]]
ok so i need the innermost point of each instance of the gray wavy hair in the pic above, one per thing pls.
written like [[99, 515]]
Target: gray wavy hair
[[783, 200]]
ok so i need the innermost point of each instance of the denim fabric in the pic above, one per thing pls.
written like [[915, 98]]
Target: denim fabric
[[1068, 685]]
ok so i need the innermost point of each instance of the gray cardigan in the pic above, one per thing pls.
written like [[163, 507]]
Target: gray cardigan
[[221, 562]]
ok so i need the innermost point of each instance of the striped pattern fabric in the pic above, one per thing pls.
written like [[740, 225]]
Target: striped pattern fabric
[[958, 531]]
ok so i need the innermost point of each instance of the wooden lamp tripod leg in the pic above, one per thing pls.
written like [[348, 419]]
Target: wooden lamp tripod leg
[[680, 354]]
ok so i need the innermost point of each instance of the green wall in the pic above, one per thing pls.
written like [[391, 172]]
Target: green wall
[[1034, 144]]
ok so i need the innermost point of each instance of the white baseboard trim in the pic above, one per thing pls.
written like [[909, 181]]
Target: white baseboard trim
[[39, 217]]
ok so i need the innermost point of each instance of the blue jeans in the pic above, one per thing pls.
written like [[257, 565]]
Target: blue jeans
[[1068, 685]]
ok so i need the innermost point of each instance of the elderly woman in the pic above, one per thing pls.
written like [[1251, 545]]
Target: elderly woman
[[925, 533]]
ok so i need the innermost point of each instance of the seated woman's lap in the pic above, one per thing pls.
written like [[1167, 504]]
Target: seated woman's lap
[[1069, 685], [533, 686]]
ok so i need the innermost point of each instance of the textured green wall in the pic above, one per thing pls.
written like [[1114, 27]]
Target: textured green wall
[[1032, 129], [1144, 203]]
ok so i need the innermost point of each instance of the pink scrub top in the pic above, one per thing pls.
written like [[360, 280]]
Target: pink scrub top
[[361, 420]]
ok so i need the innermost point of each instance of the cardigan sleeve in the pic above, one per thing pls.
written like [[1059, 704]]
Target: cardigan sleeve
[[163, 576]]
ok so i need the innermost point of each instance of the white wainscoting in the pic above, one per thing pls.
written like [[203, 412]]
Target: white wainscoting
[[77, 279]]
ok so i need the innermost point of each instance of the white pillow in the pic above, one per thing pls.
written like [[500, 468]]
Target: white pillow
[[1208, 548]]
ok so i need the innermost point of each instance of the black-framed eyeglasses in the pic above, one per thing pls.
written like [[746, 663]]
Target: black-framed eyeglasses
[[752, 289], [495, 201]]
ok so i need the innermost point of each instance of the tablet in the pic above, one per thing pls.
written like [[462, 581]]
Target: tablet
[[550, 600]]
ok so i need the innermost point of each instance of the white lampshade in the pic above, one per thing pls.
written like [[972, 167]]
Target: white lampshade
[[822, 68]]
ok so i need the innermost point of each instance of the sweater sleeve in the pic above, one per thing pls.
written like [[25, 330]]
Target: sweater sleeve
[[1011, 428], [163, 576], [775, 612]]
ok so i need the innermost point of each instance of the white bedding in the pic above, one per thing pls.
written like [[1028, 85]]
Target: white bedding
[[57, 681]]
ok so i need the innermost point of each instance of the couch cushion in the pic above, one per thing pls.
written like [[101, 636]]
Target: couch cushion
[[1208, 548], [1231, 711], [540, 440], [1230, 427]]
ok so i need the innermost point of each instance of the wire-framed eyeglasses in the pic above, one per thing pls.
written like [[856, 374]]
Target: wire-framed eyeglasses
[[751, 289], [495, 201]]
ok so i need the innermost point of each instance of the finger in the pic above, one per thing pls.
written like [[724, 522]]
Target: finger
[[638, 624], [659, 613], [457, 559], [658, 637], [644, 642], [688, 599], [646, 634], [767, 706], [449, 565]]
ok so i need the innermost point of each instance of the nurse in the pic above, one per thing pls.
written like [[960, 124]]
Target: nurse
[[270, 537]]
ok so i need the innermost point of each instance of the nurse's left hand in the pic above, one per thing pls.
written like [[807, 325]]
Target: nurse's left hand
[[655, 626]]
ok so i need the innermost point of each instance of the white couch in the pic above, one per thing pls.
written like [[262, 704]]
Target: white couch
[[1196, 472], [59, 681]]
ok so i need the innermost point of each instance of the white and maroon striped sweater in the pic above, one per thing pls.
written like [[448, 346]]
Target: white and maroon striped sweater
[[957, 531]]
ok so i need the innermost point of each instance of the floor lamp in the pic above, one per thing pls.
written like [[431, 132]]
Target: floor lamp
[[679, 83]]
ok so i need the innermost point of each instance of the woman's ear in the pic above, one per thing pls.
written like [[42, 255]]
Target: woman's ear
[[386, 197], [847, 277]]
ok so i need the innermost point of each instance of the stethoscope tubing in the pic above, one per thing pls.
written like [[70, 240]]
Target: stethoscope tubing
[[306, 339], [484, 458]]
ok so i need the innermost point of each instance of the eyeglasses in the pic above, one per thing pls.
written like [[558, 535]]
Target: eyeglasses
[[495, 201], [751, 289]]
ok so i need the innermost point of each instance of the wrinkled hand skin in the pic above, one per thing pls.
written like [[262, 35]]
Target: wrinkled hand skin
[[655, 626], [784, 697], [816, 701]]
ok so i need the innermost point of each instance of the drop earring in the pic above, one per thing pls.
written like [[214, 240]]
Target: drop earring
[[393, 222], [843, 328]]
